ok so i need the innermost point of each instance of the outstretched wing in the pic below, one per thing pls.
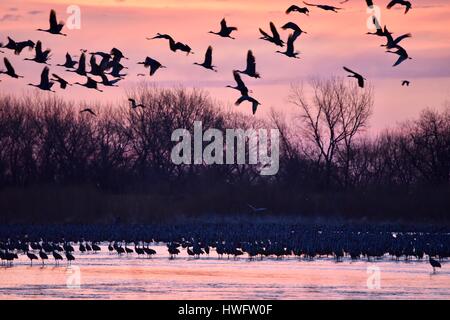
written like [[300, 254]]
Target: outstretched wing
[[238, 79], [265, 34], [274, 30], [44, 75], [9, 66], [223, 24], [240, 100], [208, 56], [52, 19], [251, 61], [351, 71], [391, 4], [292, 8]]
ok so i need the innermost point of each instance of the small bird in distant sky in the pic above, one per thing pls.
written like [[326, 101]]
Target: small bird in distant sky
[[406, 83], [88, 110]]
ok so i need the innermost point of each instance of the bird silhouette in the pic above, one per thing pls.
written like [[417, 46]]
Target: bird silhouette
[[91, 112], [294, 27], [62, 83], [290, 50], [117, 54], [406, 83], [401, 52], [57, 257], [69, 258], [55, 27], [173, 45], [108, 82], [40, 56], [391, 42], [251, 66], [90, 84], [256, 210], [323, 7], [153, 64], [298, 9], [134, 105], [81, 69], [43, 256], [69, 63], [45, 83], [9, 69], [207, 63], [274, 38], [357, 76], [17, 47], [253, 101], [407, 4], [241, 87], [225, 31], [435, 264], [32, 257]]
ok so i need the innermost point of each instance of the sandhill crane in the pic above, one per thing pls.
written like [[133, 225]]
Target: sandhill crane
[[207, 63], [96, 248], [81, 69], [406, 83], [128, 250], [324, 7], [69, 63], [117, 54], [107, 82], [407, 4], [69, 258], [357, 76], [32, 257], [55, 27], [253, 101], [62, 83], [174, 46], [298, 9], [435, 264], [391, 42], [57, 257], [274, 38], [290, 50], [82, 248], [116, 67], [90, 84], [225, 31], [17, 47], [401, 52], [45, 83], [91, 112], [256, 210], [294, 27], [150, 252], [153, 64], [40, 56], [251, 66], [139, 251], [134, 105], [241, 87], [9, 70], [43, 256]]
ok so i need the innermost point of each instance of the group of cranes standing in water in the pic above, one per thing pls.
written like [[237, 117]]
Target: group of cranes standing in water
[[108, 71], [255, 241]]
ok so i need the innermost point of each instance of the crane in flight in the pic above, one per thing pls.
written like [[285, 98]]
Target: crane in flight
[[225, 30], [357, 76], [207, 63], [55, 27]]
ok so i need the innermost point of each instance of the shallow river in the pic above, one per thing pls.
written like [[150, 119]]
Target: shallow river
[[107, 276]]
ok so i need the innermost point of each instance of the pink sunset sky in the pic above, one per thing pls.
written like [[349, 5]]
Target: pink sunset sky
[[333, 40]]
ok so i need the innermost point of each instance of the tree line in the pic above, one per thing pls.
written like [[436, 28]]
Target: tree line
[[57, 165]]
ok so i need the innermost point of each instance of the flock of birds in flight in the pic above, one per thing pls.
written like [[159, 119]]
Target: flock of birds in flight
[[110, 67]]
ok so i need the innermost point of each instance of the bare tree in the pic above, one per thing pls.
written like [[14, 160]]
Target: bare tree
[[332, 116]]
